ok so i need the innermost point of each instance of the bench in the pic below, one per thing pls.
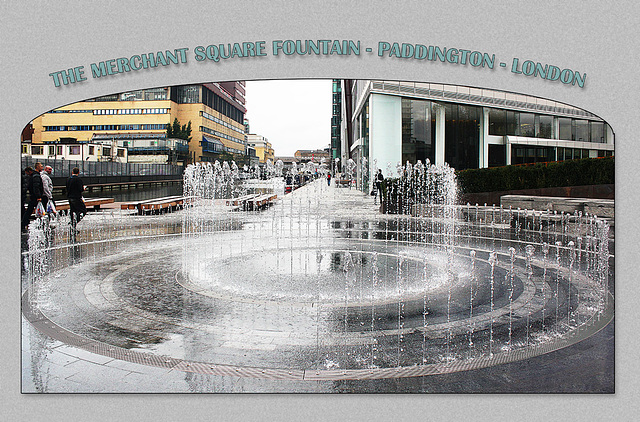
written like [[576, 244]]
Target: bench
[[156, 204], [240, 201], [63, 205], [340, 183], [260, 201]]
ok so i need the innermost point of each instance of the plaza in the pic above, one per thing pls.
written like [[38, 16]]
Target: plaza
[[319, 293]]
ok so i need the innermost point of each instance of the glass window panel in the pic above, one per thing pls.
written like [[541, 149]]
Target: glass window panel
[[546, 127], [564, 128], [512, 123], [497, 155], [527, 124], [416, 131], [497, 122], [597, 132], [461, 136], [581, 130]]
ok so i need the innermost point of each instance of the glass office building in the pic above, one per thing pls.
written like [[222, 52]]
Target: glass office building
[[390, 122]]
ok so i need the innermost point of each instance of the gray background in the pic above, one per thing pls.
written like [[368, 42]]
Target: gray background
[[592, 37]]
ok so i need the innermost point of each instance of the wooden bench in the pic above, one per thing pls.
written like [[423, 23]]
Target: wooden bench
[[155, 204], [241, 200], [260, 201], [88, 202]]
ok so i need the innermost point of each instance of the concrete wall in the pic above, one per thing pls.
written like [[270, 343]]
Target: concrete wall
[[587, 191]]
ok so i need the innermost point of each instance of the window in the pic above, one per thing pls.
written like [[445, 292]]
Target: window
[[581, 130], [565, 128], [497, 155], [106, 151], [462, 131], [121, 152], [188, 94], [36, 149], [416, 131], [521, 154], [527, 125], [545, 127], [91, 150], [597, 132], [25, 149], [59, 150], [497, 122], [155, 94], [74, 150]]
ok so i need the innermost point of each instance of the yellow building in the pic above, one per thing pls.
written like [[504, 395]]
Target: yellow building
[[264, 150], [216, 116]]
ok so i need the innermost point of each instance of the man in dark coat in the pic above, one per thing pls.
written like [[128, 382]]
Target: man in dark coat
[[23, 192], [378, 189], [75, 187], [34, 188]]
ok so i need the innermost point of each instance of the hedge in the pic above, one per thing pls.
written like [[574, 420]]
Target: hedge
[[587, 171]]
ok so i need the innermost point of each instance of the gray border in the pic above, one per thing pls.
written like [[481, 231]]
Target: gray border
[[594, 37]]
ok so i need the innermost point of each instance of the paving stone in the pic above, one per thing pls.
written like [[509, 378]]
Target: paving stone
[[163, 318]]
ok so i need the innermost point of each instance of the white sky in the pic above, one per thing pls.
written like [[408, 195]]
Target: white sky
[[291, 114]]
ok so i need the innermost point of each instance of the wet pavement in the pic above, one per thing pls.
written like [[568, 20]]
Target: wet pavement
[[157, 298]]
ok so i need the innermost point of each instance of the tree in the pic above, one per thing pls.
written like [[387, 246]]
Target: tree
[[186, 132], [180, 132]]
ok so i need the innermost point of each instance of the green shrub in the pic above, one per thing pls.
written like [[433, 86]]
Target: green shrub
[[587, 171]]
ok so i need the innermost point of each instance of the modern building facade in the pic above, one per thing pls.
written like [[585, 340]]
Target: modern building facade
[[395, 122], [216, 112], [262, 146], [336, 118]]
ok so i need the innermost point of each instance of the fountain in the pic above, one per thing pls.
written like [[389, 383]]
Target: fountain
[[321, 285]]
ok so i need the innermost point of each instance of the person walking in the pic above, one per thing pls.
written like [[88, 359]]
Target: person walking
[[329, 179], [47, 184], [39, 169], [24, 179], [379, 179], [34, 188], [75, 187]]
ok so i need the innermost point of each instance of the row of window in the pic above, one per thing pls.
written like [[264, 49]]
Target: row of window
[[220, 135], [54, 150], [132, 111], [523, 154], [220, 122], [153, 94], [507, 122], [193, 94], [70, 111], [104, 127], [208, 146], [211, 99]]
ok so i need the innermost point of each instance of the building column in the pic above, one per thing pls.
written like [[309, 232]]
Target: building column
[[385, 132], [483, 147], [508, 149], [440, 124]]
